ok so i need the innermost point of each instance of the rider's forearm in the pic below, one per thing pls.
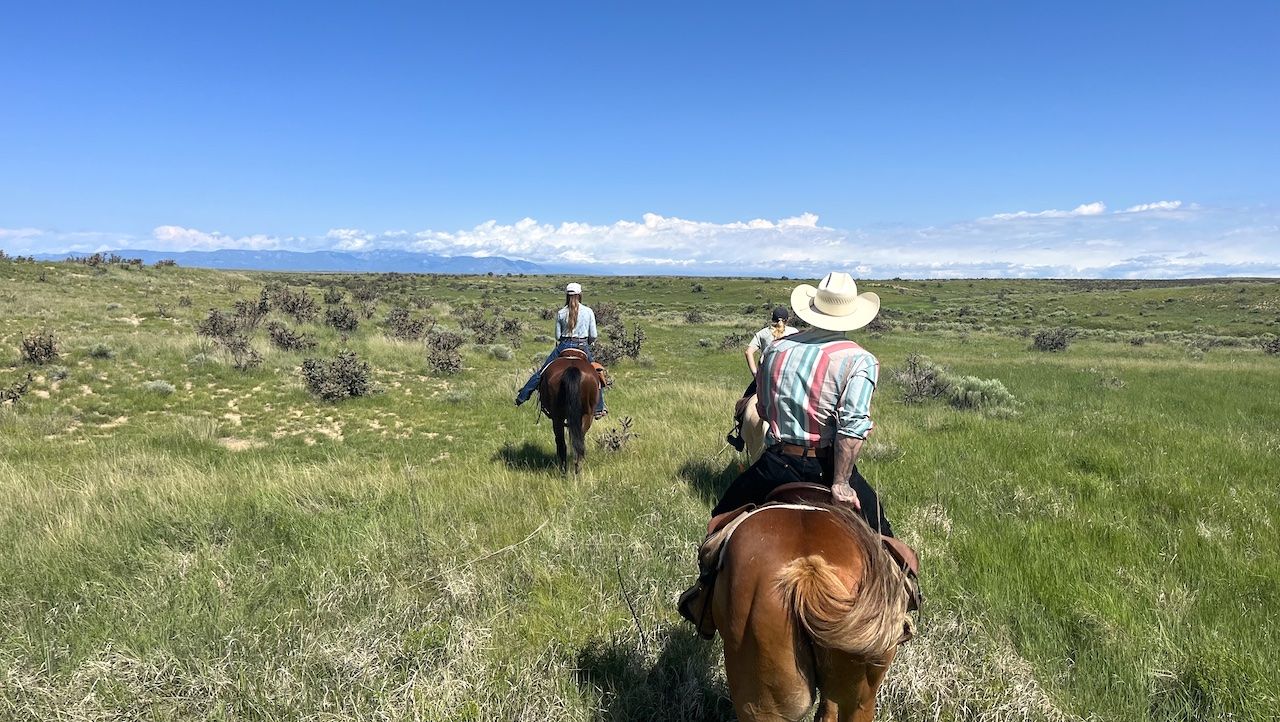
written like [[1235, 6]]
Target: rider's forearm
[[847, 450], [751, 361]]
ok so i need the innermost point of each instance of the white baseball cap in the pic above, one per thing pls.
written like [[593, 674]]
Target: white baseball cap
[[574, 288]]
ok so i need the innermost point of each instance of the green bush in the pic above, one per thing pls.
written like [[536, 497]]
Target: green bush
[[342, 377], [217, 325], [286, 339], [971, 392], [160, 388], [101, 351], [1052, 339], [342, 318], [443, 354]]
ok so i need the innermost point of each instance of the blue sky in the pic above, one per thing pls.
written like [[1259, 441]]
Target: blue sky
[[896, 138]]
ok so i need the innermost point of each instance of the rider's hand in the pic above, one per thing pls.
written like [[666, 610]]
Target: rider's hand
[[844, 493]]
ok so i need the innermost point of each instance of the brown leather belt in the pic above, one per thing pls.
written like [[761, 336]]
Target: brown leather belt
[[803, 451]]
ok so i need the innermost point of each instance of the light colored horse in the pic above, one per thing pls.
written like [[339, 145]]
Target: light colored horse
[[754, 429]]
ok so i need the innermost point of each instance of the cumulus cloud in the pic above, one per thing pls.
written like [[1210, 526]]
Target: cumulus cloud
[[1173, 240]]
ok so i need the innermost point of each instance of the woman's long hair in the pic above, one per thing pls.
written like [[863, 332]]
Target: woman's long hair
[[779, 328], [571, 302]]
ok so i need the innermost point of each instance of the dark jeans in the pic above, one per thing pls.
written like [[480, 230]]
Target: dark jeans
[[775, 469], [532, 384], [751, 389]]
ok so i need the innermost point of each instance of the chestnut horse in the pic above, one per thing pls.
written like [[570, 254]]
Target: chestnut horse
[[568, 392], [811, 610]]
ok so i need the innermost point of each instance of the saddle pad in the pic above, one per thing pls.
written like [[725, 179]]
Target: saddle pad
[[733, 525]]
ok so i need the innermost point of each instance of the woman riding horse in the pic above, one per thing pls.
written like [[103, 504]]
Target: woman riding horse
[[575, 328]]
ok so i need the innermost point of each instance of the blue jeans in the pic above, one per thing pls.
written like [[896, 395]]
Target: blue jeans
[[532, 384]]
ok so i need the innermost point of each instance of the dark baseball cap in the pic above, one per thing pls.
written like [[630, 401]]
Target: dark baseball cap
[[781, 313]]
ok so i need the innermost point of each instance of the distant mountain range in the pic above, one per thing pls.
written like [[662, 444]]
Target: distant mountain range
[[326, 261]]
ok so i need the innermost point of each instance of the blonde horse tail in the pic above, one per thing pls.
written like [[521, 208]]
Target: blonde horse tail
[[866, 622]]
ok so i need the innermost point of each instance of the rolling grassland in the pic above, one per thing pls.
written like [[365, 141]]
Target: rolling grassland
[[185, 539]]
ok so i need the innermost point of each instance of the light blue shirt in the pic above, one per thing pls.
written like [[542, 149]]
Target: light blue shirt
[[586, 327]]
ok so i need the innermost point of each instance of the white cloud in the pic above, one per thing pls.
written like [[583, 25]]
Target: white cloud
[[1157, 206], [17, 234], [177, 238], [1084, 242], [1084, 209]]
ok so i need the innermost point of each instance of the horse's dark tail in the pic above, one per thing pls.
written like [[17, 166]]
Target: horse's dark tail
[[571, 409]]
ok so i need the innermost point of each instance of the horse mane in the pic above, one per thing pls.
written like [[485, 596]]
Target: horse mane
[[868, 620]]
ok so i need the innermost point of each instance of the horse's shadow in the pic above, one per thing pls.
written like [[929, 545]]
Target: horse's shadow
[[527, 456], [707, 478], [680, 686]]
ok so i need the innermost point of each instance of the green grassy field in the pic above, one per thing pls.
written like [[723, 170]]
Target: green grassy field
[[186, 540]]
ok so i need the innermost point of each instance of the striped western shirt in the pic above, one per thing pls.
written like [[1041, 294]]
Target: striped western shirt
[[815, 385]]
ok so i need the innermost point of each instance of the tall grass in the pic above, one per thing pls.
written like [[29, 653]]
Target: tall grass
[[238, 549]]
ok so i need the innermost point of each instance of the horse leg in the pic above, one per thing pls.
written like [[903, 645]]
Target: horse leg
[[562, 452], [849, 686], [769, 679], [753, 431]]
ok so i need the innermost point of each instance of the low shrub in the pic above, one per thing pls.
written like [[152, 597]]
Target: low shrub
[[920, 379], [501, 353], [443, 354], [184, 301], [734, 342], [971, 392], [364, 292], [342, 318], [401, 325], [40, 347], [607, 314], [297, 304], [457, 396], [243, 355], [1271, 346], [333, 296], [101, 351], [341, 377], [159, 388], [57, 373], [483, 328], [511, 329], [694, 315], [615, 438], [1052, 339], [880, 324], [216, 325], [286, 339], [14, 391], [248, 314]]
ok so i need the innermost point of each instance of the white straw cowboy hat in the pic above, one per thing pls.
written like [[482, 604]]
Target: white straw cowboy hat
[[835, 305], [574, 289]]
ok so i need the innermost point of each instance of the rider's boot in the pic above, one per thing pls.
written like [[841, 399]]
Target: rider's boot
[[695, 605]]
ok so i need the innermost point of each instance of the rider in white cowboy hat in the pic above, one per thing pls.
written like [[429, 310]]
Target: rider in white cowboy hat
[[575, 328], [814, 388]]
